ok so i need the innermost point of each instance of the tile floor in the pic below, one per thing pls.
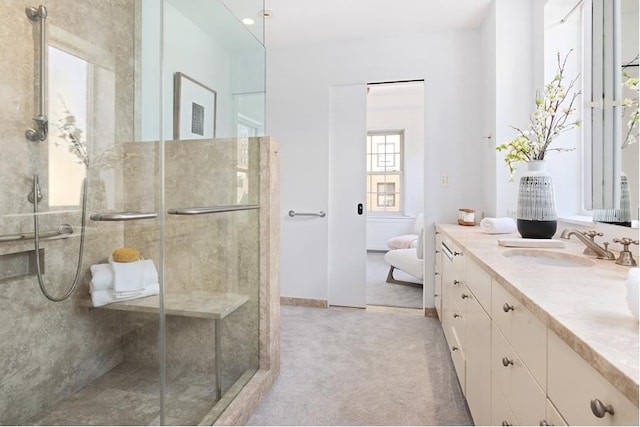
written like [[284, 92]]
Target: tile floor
[[129, 394]]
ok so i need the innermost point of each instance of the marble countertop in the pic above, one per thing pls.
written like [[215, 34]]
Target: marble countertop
[[586, 306]]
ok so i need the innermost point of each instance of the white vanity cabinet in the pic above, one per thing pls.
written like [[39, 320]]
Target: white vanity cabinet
[[512, 367], [437, 288], [467, 327], [581, 394]]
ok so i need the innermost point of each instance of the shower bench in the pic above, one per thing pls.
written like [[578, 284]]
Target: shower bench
[[188, 303]]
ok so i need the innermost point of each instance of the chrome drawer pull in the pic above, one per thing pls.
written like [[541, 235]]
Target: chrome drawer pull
[[454, 348], [456, 282], [457, 253], [545, 423], [506, 362], [507, 308], [506, 423], [599, 409], [465, 296], [456, 315]]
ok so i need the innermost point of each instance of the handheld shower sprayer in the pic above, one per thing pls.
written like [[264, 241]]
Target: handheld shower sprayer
[[35, 196]]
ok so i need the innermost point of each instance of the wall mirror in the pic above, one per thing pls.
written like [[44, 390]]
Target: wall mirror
[[612, 108]]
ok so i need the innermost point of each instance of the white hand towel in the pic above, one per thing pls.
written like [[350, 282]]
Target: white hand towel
[[102, 275], [104, 297], [498, 225], [127, 276]]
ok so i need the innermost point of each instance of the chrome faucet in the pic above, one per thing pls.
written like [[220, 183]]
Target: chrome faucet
[[601, 253]]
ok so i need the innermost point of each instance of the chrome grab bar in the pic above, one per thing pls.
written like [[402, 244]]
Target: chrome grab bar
[[211, 209], [320, 214], [39, 133], [62, 232], [122, 216]]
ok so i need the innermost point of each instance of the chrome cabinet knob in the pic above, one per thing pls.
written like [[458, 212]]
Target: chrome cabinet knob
[[457, 253], [456, 315], [544, 423], [436, 295], [506, 423], [599, 409], [454, 348], [465, 296], [507, 308], [456, 282], [506, 362]]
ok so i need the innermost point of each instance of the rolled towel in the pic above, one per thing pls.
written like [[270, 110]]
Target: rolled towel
[[107, 296], [498, 225], [102, 275]]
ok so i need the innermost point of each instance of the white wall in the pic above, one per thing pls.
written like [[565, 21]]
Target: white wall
[[191, 51], [399, 107], [298, 82], [518, 72]]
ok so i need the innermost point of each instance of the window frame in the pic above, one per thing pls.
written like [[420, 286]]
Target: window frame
[[372, 197]]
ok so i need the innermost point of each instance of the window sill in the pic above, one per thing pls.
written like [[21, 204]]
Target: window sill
[[585, 220]]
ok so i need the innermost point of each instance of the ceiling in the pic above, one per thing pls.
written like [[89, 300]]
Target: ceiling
[[306, 22]]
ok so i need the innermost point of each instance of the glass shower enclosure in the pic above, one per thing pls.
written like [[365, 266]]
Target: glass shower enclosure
[[128, 124]]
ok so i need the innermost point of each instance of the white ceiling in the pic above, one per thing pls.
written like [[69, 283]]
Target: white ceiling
[[305, 22]]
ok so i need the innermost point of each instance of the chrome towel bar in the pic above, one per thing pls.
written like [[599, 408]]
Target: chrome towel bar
[[62, 232], [320, 214], [122, 216], [211, 209]]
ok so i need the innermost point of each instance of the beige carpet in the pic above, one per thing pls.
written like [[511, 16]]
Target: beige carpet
[[355, 367]]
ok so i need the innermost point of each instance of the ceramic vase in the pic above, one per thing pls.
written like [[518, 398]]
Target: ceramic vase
[[536, 214]]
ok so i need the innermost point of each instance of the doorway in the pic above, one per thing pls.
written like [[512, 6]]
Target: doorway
[[394, 185]]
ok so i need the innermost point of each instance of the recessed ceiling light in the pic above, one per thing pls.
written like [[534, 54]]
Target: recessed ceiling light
[[248, 21]]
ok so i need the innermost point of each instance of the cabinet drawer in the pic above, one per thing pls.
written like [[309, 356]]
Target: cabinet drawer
[[501, 414], [458, 258], [479, 282], [526, 334], [573, 384], [457, 355], [524, 396], [553, 416], [477, 353]]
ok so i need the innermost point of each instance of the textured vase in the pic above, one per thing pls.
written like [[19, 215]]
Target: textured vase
[[536, 214]]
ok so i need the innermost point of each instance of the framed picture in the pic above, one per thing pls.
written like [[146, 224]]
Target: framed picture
[[194, 109]]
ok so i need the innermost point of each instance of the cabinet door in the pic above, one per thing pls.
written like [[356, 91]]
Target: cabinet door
[[525, 398], [573, 384], [524, 332], [437, 293], [478, 361], [553, 416]]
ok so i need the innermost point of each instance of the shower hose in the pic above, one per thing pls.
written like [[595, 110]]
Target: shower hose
[[36, 227]]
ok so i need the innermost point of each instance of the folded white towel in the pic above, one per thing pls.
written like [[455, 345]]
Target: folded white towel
[[127, 276], [498, 225], [104, 297], [102, 275]]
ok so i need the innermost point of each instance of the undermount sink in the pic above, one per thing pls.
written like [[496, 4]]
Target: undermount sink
[[556, 259]]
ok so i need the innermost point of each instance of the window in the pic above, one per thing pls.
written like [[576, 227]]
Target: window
[[384, 171]]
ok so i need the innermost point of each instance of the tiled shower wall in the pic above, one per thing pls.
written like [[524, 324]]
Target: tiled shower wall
[[217, 252], [48, 350]]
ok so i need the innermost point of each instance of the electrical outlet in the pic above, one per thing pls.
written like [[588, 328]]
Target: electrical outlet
[[444, 180], [511, 213]]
